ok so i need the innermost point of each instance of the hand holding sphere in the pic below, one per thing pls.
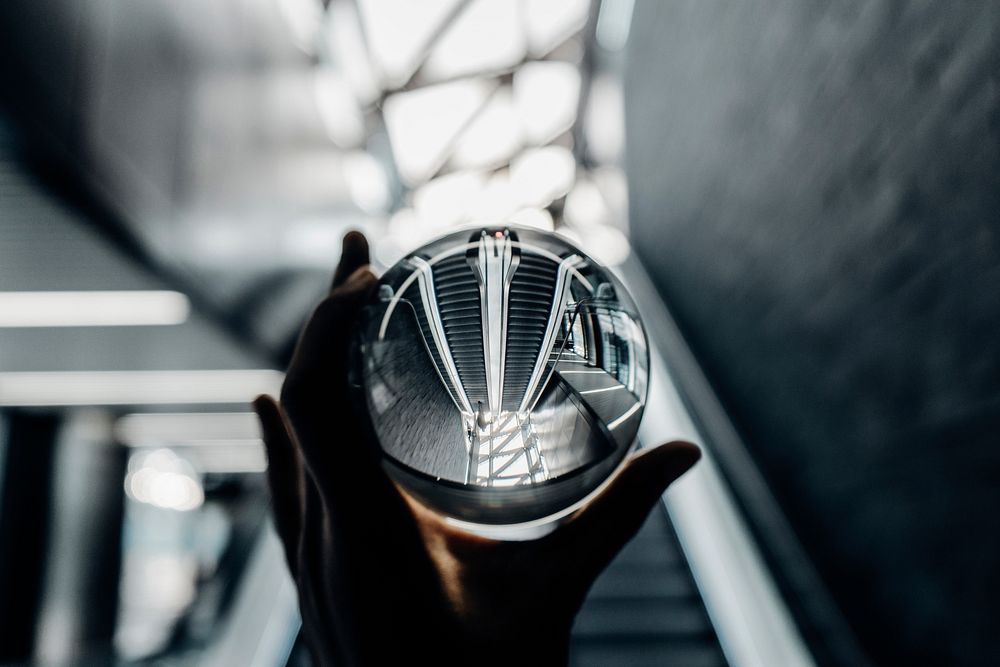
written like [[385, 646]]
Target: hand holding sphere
[[382, 577]]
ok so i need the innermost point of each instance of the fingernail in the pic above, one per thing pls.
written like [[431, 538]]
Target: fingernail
[[676, 458], [354, 236], [689, 456], [259, 404]]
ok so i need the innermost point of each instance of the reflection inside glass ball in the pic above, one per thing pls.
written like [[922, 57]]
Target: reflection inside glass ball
[[504, 372]]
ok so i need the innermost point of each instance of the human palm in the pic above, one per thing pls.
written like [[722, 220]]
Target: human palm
[[383, 579]]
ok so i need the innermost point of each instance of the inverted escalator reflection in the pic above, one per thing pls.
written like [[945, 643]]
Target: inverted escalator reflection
[[504, 372]]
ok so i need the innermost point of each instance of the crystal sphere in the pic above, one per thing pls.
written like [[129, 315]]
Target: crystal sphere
[[504, 372]]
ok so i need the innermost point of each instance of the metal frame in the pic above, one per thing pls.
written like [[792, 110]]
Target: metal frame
[[425, 281]]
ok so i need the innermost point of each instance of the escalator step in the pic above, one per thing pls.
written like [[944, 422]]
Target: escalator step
[[643, 581], [643, 617], [645, 609], [653, 654]]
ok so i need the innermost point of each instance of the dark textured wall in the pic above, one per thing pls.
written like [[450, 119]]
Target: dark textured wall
[[815, 187]]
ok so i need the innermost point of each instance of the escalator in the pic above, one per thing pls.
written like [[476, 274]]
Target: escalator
[[645, 609]]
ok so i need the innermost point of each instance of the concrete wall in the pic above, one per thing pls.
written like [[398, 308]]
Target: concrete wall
[[815, 187]]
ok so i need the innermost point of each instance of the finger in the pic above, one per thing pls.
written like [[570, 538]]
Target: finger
[[353, 256], [323, 345], [603, 527], [316, 395], [285, 477], [315, 561]]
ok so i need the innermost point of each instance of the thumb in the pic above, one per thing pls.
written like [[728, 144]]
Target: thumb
[[285, 476], [615, 516]]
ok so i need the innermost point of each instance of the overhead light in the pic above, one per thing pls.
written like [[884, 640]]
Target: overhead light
[[539, 218], [493, 136], [237, 457], [402, 234], [614, 188], [304, 20], [423, 123], [607, 244], [485, 37], [367, 182], [585, 206], [445, 201], [397, 32], [496, 200], [546, 96], [163, 479], [315, 241], [136, 387], [541, 175], [161, 428], [338, 108], [550, 22], [213, 442], [344, 43], [94, 309]]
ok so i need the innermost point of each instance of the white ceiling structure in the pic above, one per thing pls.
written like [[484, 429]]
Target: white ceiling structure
[[237, 143]]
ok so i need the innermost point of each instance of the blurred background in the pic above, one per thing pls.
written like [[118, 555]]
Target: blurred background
[[803, 197]]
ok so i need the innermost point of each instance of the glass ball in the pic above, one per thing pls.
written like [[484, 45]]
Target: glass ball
[[504, 373]]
